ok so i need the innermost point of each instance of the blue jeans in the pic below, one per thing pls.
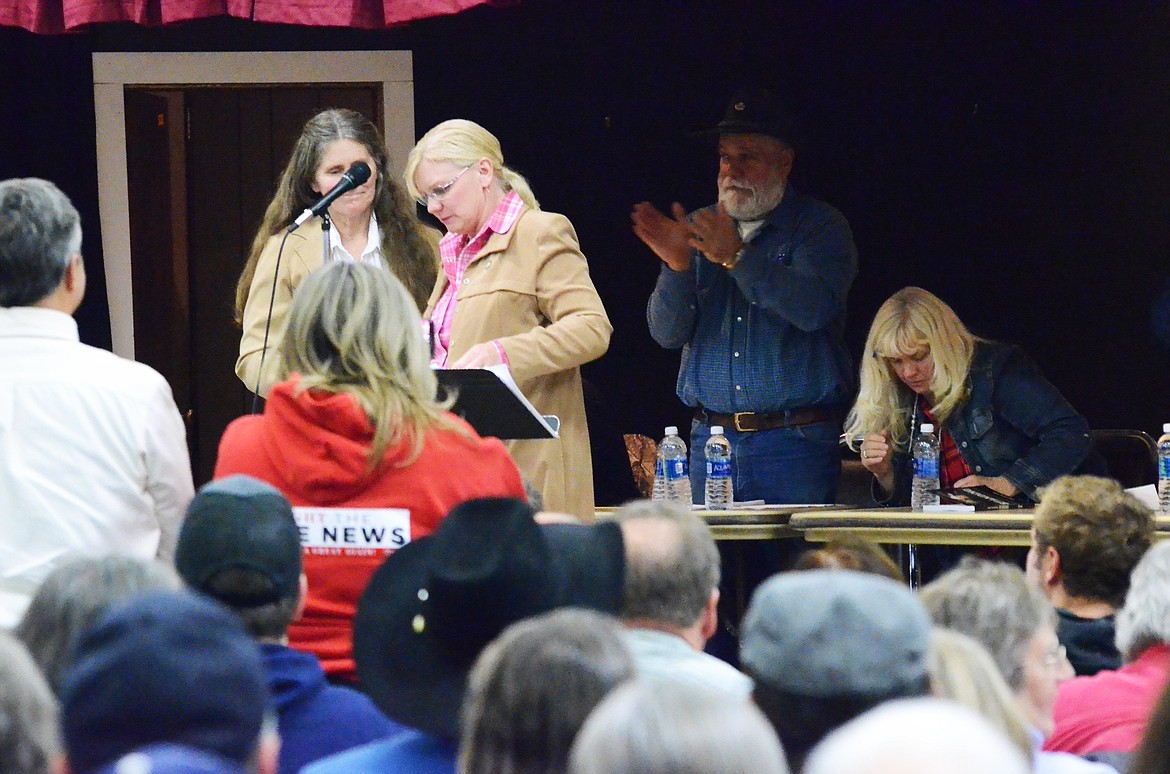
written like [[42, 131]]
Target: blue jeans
[[786, 465]]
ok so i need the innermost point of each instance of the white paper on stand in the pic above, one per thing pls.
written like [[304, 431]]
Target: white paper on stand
[[1148, 494]]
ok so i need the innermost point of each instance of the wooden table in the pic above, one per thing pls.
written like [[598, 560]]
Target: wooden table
[[766, 523], [900, 525]]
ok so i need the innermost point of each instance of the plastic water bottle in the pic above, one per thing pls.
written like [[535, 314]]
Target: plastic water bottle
[[924, 486], [672, 480], [1164, 469], [718, 491]]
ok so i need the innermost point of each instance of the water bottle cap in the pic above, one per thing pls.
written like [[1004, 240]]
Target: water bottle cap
[[927, 427], [671, 430], [716, 429], [1166, 428]]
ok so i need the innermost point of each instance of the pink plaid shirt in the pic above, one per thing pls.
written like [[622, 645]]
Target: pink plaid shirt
[[456, 252]]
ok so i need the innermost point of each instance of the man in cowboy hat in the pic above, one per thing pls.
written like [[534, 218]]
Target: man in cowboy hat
[[753, 291], [437, 602]]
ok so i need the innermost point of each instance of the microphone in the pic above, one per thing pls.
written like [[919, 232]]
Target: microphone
[[356, 175]]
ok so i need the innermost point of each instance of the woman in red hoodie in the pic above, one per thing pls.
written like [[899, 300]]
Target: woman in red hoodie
[[357, 441]]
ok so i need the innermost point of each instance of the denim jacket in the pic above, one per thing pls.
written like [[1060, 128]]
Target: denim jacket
[[767, 336], [1014, 424]]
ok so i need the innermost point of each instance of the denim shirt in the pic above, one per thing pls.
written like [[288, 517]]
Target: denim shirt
[[766, 336], [1014, 424]]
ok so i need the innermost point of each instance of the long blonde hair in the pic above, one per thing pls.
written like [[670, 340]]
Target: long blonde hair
[[961, 669], [463, 143], [908, 321], [353, 329], [406, 251]]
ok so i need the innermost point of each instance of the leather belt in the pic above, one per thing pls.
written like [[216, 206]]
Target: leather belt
[[751, 422]]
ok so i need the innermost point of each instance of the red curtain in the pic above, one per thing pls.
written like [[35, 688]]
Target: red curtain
[[55, 16]]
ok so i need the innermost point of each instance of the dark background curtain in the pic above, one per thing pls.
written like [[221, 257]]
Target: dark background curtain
[[1010, 157]]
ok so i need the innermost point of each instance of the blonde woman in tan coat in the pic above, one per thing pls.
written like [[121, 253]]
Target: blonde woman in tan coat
[[514, 288]]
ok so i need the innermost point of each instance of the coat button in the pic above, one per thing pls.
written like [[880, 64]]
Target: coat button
[[964, 444], [488, 263], [466, 281], [978, 468]]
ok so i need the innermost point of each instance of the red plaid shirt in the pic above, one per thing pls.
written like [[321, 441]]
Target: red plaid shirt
[[951, 465]]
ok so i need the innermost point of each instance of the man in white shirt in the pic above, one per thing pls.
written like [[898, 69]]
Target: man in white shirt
[[93, 453], [670, 597]]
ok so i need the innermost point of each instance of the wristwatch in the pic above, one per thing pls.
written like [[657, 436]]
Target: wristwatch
[[731, 264]]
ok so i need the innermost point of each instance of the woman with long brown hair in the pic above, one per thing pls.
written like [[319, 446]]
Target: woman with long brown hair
[[374, 223]]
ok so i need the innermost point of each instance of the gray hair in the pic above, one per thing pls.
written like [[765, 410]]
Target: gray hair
[[993, 603], [672, 563], [1144, 621], [29, 739], [532, 688], [40, 232], [73, 596], [655, 727], [917, 736]]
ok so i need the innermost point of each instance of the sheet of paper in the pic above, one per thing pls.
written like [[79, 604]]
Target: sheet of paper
[[1148, 494]]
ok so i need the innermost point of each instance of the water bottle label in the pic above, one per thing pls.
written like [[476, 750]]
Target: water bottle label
[[658, 472], [676, 469], [926, 467], [1164, 467], [718, 468]]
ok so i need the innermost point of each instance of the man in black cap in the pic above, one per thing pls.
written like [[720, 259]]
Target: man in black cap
[[240, 545], [753, 290]]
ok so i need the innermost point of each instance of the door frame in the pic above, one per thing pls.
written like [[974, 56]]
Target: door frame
[[114, 71]]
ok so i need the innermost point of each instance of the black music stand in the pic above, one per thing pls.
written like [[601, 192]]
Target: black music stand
[[493, 405]]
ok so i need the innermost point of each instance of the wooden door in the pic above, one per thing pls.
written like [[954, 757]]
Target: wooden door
[[236, 142]]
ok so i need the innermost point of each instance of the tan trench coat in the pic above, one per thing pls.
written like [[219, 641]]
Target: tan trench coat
[[529, 290]]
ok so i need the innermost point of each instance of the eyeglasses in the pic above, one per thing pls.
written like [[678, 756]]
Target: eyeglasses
[[440, 192], [1056, 656]]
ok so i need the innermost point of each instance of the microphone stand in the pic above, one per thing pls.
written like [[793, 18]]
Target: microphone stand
[[326, 253]]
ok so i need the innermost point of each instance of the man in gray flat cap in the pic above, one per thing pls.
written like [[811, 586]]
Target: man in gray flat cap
[[824, 646]]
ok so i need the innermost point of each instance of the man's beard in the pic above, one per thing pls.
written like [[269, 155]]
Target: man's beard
[[762, 199]]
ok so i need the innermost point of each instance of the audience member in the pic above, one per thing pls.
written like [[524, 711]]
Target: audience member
[[1087, 537], [961, 669], [73, 596], [671, 596], [97, 462], [434, 605], [29, 740], [357, 441], [653, 727], [166, 667], [918, 736], [994, 604], [240, 545], [824, 646], [532, 688], [851, 554], [1108, 711]]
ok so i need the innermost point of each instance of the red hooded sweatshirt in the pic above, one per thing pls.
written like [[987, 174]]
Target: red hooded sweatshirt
[[313, 448]]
